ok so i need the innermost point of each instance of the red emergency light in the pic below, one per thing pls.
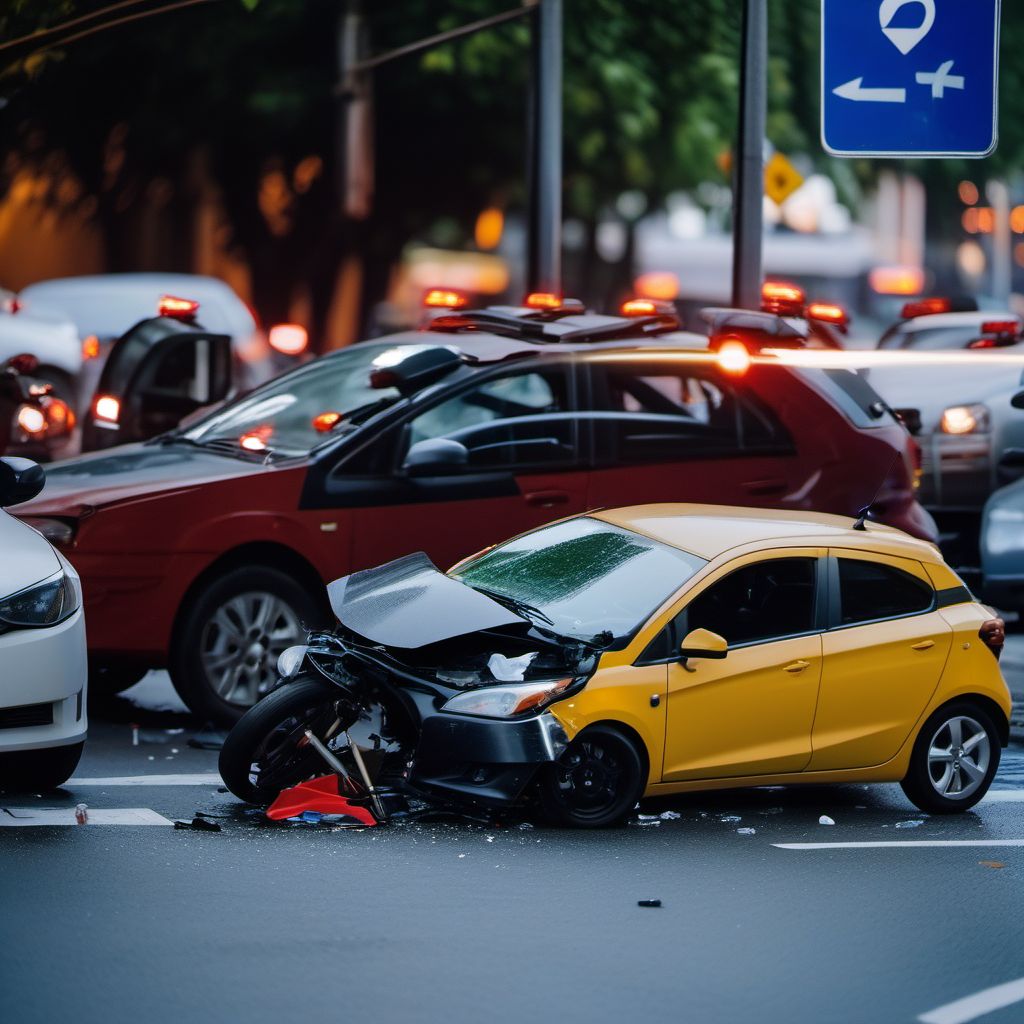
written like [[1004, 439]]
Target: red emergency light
[[782, 298], [176, 308]]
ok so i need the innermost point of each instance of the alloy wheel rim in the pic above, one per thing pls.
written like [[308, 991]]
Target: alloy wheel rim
[[589, 779], [958, 757], [241, 643]]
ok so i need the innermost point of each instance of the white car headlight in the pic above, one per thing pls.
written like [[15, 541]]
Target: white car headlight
[[966, 419], [508, 701], [44, 604], [290, 661]]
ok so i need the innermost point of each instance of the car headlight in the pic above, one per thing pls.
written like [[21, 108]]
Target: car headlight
[[44, 604], [966, 419], [508, 701], [56, 531], [291, 660]]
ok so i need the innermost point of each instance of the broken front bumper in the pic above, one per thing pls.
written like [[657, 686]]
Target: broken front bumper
[[484, 760]]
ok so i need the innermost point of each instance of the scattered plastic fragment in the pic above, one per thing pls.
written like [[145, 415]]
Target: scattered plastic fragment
[[670, 816], [910, 824], [135, 734], [992, 864], [461, 855], [317, 795], [81, 814], [489, 839], [174, 750], [746, 831], [648, 903], [825, 820], [198, 824], [525, 826], [729, 818]]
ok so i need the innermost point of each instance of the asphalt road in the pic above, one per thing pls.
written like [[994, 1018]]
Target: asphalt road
[[503, 922]]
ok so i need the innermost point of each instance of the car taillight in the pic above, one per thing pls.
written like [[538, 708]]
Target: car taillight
[[288, 339], [90, 347], [32, 420], [180, 309], [734, 357], [993, 635]]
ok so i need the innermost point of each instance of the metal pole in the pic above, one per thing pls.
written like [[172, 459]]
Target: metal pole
[[1002, 241], [748, 197], [544, 245]]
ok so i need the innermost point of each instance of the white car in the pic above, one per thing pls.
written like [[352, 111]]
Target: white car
[[49, 335], [104, 306], [43, 667]]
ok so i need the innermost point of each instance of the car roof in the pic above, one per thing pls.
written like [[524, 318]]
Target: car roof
[[974, 318], [485, 347], [709, 531]]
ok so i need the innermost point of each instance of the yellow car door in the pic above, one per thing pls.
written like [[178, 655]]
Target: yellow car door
[[883, 656], [750, 713]]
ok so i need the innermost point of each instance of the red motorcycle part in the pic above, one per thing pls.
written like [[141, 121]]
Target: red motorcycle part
[[317, 795]]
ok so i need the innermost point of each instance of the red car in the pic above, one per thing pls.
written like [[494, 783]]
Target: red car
[[206, 549]]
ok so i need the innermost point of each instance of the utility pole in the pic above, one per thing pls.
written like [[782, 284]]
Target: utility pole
[[544, 149], [748, 194]]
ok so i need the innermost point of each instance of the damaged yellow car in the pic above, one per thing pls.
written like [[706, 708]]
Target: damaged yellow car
[[641, 652]]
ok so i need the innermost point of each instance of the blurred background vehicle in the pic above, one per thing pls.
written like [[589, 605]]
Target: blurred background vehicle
[[206, 549], [42, 647], [34, 421]]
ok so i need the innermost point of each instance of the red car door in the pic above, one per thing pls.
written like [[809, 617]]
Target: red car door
[[523, 468], [678, 431]]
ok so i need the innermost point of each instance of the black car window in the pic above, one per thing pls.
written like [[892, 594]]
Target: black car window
[[762, 601], [666, 413], [870, 591], [515, 420]]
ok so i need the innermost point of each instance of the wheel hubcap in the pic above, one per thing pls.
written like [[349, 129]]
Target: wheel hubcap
[[589, 777], [241, 643], [958, 757]]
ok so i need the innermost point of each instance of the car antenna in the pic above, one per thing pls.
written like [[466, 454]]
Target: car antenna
[[862, 515]]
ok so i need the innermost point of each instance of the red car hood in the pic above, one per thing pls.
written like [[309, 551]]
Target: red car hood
[[127, 473]]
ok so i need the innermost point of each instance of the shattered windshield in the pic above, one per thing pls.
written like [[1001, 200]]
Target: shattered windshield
[[584, 576], [282, 413]]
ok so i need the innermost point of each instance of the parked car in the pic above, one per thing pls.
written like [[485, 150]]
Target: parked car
[[48, 335], [34, 421], [1002, 547], [646, 651], [43, 666], [205, 549]]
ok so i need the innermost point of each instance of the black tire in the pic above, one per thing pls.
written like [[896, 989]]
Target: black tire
[[198, 631], [596, 782], [107, 680], [920, 784], [268, 735], [36, 771]]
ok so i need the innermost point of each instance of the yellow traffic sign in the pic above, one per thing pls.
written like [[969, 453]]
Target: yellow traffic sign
[[781, 179]]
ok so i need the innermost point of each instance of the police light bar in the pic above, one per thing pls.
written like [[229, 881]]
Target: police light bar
[[1001, 327], [828, 313], [543, 300], [445, 298], [647, 307], [782, 299], [937, 305], [175, 308]]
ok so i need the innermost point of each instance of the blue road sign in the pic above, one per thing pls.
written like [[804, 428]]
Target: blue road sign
[[909, 78]]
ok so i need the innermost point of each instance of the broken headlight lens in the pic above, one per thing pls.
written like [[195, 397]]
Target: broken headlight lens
[[45, 604], [291, 661], [508, 701]]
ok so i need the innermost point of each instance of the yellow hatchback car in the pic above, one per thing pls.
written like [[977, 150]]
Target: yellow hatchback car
[[772, 648]]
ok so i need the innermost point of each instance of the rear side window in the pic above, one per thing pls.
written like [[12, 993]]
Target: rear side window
[[670, 413], [861, 403], [869, 591]]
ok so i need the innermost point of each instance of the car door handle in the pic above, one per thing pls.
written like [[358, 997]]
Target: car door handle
[[547, 499], [764, 487], [924, 645], [797, 667]]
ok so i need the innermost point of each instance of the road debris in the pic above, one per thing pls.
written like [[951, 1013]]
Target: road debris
[[81, 814], [729, 818], [670, 815], [825, 820], [198, 824], [746, 831], [997, 864], [648, 903], [914, 823]]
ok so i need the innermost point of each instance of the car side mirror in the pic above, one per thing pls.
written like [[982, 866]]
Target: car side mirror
[[702, 643], [1018, 400], [20, 480], [435, 456]]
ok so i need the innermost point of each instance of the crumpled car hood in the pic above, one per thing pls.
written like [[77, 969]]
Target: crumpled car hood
[[409, 603]]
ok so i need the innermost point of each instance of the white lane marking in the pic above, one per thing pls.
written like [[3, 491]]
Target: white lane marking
[[971, 1007], [1004, 796], [20, 817], [899, 842], [196, 779]]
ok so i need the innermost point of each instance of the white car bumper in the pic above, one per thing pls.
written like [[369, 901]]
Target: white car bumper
[[43, 675]]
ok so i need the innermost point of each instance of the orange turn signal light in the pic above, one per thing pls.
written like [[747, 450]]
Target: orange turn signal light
[[326, 422], [543, 300], [828, 313], [445, 298], [90, 347], [782, 299]]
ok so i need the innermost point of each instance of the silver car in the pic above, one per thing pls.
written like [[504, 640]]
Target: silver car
[[1002, 547]]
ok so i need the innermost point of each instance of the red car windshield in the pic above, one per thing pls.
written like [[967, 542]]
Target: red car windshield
[[295, 413]]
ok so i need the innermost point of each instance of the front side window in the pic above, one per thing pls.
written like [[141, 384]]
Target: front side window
[[869, 591], [673, 412], [522, 419], [584, 576], [760, 602]]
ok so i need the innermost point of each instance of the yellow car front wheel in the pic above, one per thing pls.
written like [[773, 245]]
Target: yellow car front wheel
[[596, 782]]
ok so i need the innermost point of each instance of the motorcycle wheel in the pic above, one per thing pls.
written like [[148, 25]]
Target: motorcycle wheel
[[262, 754]]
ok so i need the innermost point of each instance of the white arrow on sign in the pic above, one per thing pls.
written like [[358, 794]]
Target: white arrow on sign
[[854, 90]]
